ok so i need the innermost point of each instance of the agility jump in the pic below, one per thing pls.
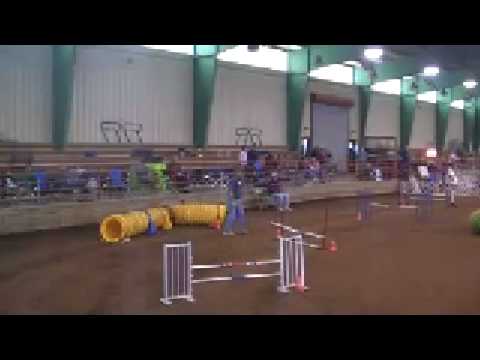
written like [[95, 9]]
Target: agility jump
[[423, 205], [324, 245], [178, 277]]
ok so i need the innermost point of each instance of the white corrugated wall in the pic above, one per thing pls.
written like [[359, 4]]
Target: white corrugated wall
[[25, 93], [423, 129], [247, 97], [455, 125], [384, 116], [125, 85]]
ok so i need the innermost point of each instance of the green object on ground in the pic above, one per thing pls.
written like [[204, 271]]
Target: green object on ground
[[475, 221]]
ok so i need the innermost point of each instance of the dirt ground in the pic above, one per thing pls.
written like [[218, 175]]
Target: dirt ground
[[394, 264]]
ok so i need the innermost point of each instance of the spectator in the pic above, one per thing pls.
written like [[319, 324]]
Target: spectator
[[281, 199], [235, 207]]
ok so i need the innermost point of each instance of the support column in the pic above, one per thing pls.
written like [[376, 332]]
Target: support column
[[468, 124], [63, 59], [364, 101], [476, 127], [297, 85], [204, 74], [362, 79], [441, 118], [408, 102]]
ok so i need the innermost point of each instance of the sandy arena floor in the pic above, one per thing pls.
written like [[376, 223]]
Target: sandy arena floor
[[394, 264]]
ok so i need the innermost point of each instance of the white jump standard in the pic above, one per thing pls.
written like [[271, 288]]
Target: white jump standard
[[178, 269]]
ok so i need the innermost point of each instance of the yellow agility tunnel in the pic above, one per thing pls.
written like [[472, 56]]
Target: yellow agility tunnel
[[197, 214], [120, 226], [161, 218]]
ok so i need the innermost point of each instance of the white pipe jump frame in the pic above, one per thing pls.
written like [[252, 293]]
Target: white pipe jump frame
[[178, 269]]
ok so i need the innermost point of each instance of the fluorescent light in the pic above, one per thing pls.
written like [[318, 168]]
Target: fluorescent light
[[180, 49], [373, 54], [429, 96], [430, 71], [353, 63], [392, 86], [265, 57], [334, 73], [458, 104], [470, 84], [408, 77], [290, 47]]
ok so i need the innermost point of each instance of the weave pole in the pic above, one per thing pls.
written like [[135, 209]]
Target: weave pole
[[178, 279]]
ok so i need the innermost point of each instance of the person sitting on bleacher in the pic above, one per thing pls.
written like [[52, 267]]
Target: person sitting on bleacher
[[281, 199]]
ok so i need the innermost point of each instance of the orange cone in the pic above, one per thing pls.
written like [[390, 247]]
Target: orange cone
[[298, 285], [333, 246], [279, 232], [216, 224]]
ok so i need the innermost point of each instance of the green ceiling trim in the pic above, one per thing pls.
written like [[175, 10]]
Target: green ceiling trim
[[324, 55], [222, 48], [395, 69]]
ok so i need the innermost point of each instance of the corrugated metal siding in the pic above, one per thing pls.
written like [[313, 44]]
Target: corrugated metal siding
[[423, 130], [25, 93], [112, 85], [455, 125], [341, 90], [384, 115], [248, 98]]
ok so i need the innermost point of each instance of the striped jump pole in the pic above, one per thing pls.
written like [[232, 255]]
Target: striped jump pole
[[331, 246], [178, 278]]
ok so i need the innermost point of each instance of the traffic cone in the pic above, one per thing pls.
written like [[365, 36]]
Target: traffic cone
[[299, 287], [332, 246], [279, 232], [216, 224]]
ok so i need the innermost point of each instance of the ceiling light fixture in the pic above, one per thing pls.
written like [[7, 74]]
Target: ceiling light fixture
[[353, 63], [431, 71], [469, 84], [290, 47], [373, 54]]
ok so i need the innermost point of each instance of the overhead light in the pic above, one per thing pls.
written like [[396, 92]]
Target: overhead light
[[470, 84], [458, 104], [392, 86], [373, 54], [353, 63], [408, 77], [290, 47], [429, 96], [431, 71]]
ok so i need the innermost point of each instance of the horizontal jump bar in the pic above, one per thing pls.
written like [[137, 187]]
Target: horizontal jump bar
[[231, 264], [296, 231], [231, 278]]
